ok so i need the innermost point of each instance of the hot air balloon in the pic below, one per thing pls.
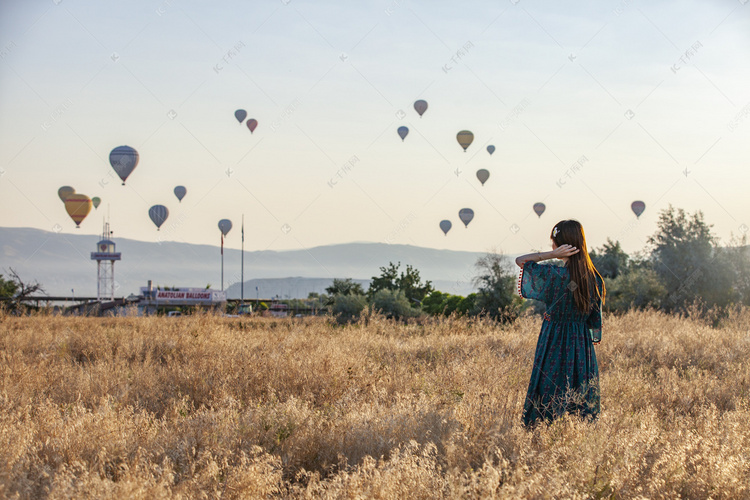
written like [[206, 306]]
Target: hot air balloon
[[539, 208], [466, 214], [638, 207], [225, 225], [78, 207], [446, 226], [180, 192], [123, 159], [483, 175], [64, 192], [96, 201], [490, 149], [403, 132], [240, 114], [251, 124], [158, 214], [465, 138], [421, 107]]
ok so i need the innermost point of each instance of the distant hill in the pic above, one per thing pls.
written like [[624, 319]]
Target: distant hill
[[61, 262]]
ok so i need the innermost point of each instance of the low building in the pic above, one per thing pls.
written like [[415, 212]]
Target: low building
[[154, 300]]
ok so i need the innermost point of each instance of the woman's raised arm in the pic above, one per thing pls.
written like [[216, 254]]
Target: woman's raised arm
[[557, 253]]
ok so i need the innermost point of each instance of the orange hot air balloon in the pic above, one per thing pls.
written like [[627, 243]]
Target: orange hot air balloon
[[78, 207]]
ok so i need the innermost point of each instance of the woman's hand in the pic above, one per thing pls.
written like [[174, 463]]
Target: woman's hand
[[564, 251]]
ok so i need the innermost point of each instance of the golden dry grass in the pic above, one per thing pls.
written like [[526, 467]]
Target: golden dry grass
[[208, 407]]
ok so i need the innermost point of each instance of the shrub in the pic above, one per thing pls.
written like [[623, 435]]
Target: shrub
[[348, 307], [393, 304]]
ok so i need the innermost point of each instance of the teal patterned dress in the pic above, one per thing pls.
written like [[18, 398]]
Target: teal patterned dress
[[565, 376]]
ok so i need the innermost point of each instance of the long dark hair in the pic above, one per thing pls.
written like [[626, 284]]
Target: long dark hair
[[582, 271]]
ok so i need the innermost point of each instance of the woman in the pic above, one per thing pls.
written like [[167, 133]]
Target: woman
[[565, 377]]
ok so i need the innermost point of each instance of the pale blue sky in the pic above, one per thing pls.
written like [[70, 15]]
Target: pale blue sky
[[639, 92]]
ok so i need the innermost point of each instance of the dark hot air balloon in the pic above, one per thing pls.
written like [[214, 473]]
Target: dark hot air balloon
[[465, 138], [158, 214], [225, 225], [638, 207], [421, 107], [539, 208], [180, 192], [483, 175], [64, 192], [466, 215], [403, 132], [240, 114], [123, 159], [446, 226]]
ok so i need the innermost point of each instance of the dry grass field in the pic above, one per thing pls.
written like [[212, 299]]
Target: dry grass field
[[208, 407]]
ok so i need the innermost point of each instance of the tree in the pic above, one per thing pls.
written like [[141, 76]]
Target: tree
[[348, 307], [610, 260], [345, 287], [737, 258], [386, 280], [16, 291], [687, 260], [497, 287], [393, 304], [639, 288], [408, 282]]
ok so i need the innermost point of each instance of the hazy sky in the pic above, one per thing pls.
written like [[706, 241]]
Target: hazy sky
[[590, 105]]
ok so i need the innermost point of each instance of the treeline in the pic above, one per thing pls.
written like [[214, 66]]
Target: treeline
[[683, 266]]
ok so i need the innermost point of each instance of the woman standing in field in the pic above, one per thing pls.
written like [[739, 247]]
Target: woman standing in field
[[565, 377]]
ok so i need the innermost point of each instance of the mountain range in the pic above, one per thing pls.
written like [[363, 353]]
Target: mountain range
[[61, 262]]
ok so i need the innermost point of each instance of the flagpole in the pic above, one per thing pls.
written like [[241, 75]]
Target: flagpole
[[242, 265]]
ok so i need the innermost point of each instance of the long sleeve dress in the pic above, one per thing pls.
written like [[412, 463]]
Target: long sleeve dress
[[565, 376]]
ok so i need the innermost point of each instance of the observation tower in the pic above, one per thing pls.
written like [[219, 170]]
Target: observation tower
[[105, 257]]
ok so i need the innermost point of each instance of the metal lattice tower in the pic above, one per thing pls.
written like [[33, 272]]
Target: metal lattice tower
[[105, 257]]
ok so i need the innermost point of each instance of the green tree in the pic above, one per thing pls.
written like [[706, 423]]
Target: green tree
[[16, 291], [8, 288], [468, 305], [345, 287], [610, 260], [686, 257], [737, 258], [496, 285], [409, 282], [639, 288], [348, 307], [432, 304], [393, 304]]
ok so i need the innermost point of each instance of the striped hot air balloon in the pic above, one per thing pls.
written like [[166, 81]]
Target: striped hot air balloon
[[466, 215], [123, 159], [465, 138], [78, 207], [158, 214]]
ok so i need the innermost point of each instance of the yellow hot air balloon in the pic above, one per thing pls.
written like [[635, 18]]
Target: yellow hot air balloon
[[465, 138], [78, 207], [64, 192]]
